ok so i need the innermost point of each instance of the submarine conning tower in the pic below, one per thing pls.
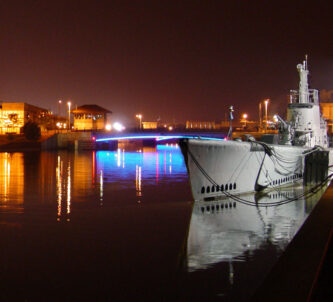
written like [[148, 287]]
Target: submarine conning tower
[[303, 113]]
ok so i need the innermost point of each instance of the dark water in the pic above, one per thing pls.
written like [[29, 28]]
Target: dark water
[[121, 226]]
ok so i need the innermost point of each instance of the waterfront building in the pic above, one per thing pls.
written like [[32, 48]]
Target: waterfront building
[[150, 125], [200, 125], [326, 106], [90, 117], [327, 112], [13, 116], [158, 125], [210, 125]]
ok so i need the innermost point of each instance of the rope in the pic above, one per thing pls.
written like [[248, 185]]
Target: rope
[[312, 191]]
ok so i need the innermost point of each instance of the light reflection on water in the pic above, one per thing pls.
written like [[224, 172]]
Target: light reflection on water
[[72, 177], [226, 230], [129, 211], [235, 232], [11, 179]]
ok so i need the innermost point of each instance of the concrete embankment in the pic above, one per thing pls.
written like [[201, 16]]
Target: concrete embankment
[[301, 273], [70, 140]]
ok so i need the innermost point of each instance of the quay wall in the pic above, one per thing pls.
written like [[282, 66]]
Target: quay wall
[[70, 140], [298, 273]]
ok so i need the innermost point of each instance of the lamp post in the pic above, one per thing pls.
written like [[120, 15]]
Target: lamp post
[[69, 115], [59, 104], [260, 118], [139, 116], [244, 118], [266, 104]]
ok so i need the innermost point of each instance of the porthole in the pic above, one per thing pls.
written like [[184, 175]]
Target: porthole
[[202, 190], [230, 187], [222, 188], [217, 188], [234, 186], [208, 189], [213, 189], [226, 187]]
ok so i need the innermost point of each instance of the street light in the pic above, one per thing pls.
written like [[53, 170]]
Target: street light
[[69, 115], [59, 104], [244, 118], [139, 116], [266, 104]]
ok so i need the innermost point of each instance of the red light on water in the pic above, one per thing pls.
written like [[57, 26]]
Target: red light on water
[[93, 138]]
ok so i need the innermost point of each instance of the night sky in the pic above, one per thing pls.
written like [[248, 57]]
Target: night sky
[[177, 60]]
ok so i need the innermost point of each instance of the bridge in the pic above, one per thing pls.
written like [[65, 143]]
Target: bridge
[[87, 140], [110, 140]]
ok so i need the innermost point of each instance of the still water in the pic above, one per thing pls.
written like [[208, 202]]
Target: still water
[[121, 226]]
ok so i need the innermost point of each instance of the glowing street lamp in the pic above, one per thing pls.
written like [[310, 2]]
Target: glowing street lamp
[[244, 118], [139, 116], [69, 114], [118, 127]]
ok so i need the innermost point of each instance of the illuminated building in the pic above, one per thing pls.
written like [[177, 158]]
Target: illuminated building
[[150, 125], [13, 116], [200, 125], [90, 117], [157, 125], [326, 106]]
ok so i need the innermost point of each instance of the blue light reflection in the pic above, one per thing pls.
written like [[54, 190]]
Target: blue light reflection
[[145, 166]]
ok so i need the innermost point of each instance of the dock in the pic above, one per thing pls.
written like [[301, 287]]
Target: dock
[[302, 272]]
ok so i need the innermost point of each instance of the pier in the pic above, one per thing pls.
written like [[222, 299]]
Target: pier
[[302, 272]]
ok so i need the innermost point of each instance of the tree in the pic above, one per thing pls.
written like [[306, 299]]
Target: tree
[[31, 131]]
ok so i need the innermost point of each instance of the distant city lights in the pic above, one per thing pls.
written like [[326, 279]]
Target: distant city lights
[[119, 127]]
